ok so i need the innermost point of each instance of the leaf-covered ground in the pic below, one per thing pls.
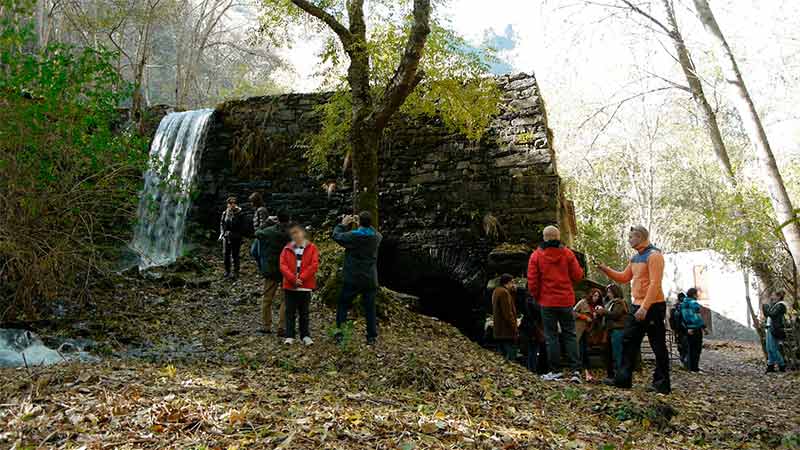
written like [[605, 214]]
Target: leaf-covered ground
[[185, 368]]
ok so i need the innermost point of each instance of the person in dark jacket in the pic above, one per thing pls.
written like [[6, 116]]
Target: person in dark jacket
[[614, 313], [776, 330], [679, 330], [695, 327], [531, 331], [299, 264], [231, 229], [552, 269], [504, 310], [360, 269], [272, 240]]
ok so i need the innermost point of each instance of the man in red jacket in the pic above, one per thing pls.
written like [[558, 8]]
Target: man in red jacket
[[551, 271], [299, 264]]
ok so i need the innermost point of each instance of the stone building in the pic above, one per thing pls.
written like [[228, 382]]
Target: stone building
[[446, 203]]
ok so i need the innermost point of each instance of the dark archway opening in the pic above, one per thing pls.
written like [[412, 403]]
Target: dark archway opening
[[440, 295]]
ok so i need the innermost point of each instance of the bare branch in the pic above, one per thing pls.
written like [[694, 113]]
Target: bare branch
[[321, 14], [406, 76]]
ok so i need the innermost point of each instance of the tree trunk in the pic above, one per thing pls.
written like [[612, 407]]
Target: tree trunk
[[781, 203]]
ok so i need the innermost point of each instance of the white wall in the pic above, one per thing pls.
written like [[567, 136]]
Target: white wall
[[722, 285]]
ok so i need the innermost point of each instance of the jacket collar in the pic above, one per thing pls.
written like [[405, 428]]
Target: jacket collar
[[644, 246], [550, 244]]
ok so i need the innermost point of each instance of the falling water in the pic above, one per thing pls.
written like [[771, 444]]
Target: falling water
[[165, 200]]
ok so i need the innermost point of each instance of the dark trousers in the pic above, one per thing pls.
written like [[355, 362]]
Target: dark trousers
[[552, 317], [583, 347], [653, 327], [349, 292], [297, 304], [695, 344], [532, 360], [683, 347], [230, 251], [507, 348]]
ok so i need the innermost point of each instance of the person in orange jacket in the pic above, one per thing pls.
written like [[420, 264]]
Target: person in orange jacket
[[299, 265], [647, 316]]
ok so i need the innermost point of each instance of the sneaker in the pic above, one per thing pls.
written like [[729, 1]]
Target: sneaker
[[770, 368], [288, 341], [576, 377], [371, 340], [552, 376], [307, 341]]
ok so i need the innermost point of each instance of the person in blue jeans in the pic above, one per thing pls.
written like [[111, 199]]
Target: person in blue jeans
[[614, 313], [775, 312], [360, 270]]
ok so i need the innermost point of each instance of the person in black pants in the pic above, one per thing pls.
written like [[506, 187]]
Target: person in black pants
[[299, 264], [360, 270], [695, 327], [646, 317], [231, 228]]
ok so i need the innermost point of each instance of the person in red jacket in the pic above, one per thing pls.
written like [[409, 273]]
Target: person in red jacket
[[299, 264], [551, 271]]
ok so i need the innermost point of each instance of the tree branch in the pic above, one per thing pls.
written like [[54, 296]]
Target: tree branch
[[649, 17], [406, 76], [321, 14]]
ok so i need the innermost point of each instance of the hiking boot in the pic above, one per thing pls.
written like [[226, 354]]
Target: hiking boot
[[770, 368], [308, 341], [782, 369], [552, 376]]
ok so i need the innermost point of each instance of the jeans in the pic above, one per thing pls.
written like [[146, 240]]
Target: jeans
[[297, 302], [653, 327], [230, 251], [695, 344], [508, 349], [349, 292], [552, 317], [774, 355], [615, 348], [270, 292]]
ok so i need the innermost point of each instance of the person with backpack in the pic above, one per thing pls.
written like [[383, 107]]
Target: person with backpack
[[504, 311], [614, 313], [775, 330], [679, 330], [272, 239], [299, 265], [695, 328], [552, 269]]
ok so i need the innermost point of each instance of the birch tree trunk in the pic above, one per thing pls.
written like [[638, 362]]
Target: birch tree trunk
[[781, 203]]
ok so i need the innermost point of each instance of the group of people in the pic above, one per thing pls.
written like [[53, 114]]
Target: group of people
[[552, 271], [288, 262]]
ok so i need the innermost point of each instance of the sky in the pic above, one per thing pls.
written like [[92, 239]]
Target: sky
[[584, 58]]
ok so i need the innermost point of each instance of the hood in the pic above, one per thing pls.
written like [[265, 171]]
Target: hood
[[552, 251], [291, 245], [643, 246]]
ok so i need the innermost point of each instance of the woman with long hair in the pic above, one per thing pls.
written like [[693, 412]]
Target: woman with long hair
[[584, 323], [614, 312]]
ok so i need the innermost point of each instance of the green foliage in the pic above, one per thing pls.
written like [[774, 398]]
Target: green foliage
[[69, 180], [456, 86]]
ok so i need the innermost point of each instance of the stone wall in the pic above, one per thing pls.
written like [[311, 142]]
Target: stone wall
[[445, 202]]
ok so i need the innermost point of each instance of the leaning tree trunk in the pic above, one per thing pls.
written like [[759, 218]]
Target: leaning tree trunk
[[781, 203]]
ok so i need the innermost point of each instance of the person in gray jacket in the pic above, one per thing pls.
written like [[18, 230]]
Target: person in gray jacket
[[360, 270]]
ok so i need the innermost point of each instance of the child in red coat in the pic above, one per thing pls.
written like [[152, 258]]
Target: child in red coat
[[299, 264]]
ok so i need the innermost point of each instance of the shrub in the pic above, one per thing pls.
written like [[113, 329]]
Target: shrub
[[69, 182]]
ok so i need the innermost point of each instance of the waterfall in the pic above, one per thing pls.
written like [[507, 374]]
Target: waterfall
[[164, 202]]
